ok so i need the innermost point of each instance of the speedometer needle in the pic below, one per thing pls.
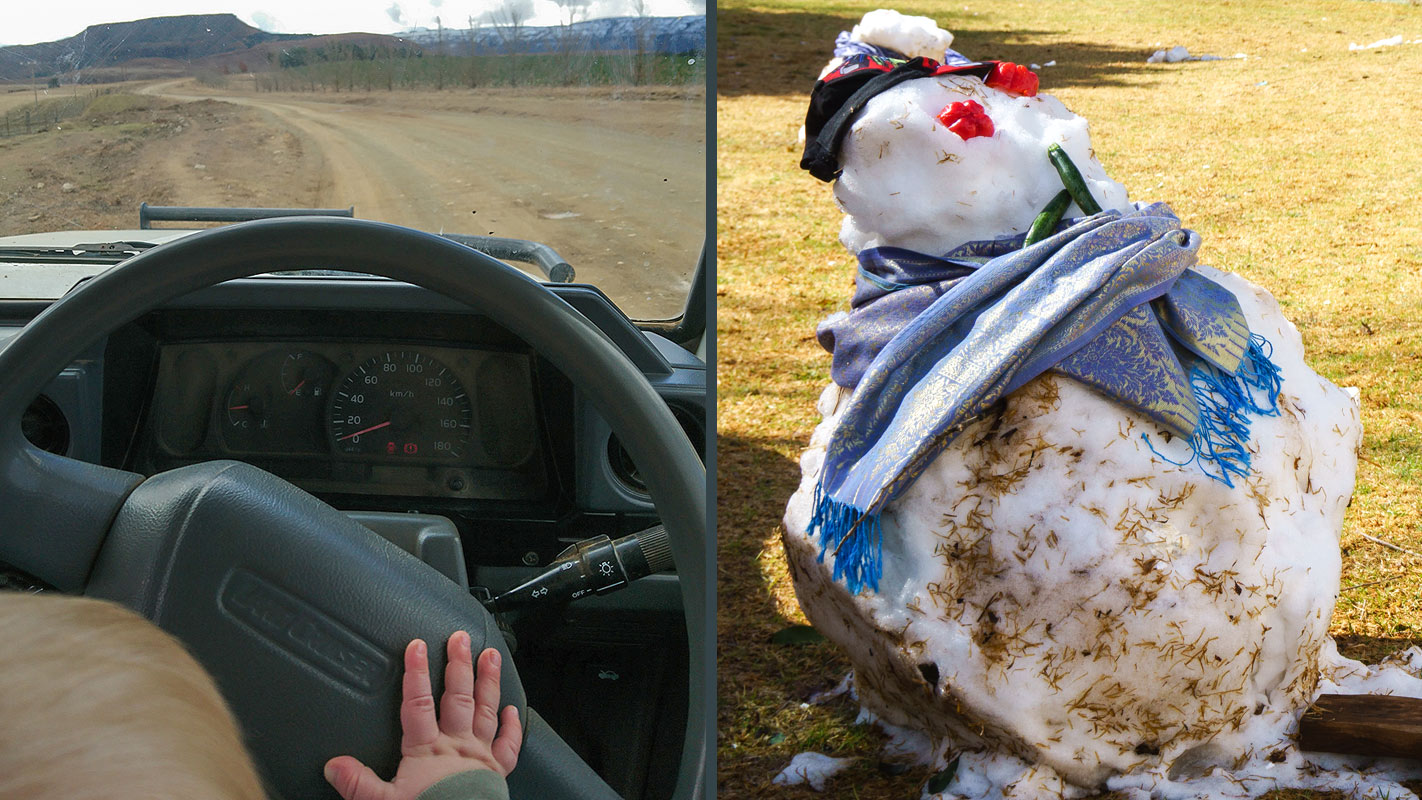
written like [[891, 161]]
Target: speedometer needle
[[367, 430]]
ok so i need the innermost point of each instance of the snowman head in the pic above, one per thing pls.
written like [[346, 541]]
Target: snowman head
[[951, 156]]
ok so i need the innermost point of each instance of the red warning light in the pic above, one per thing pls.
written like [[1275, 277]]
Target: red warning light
[[390, 448], [411, 449]]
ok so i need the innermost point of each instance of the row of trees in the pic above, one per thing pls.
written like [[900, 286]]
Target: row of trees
[[471, 57], [441, 72]]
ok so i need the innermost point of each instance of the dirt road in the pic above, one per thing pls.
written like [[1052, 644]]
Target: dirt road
[[624, 203]]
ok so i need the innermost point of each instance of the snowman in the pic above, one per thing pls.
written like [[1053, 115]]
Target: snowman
[[1074, 505]]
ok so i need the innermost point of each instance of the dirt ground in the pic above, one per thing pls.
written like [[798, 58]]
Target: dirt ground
[[615, 181]]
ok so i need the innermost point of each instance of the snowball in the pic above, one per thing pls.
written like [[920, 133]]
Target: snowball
[[912, 36], [910, 181], [812, 768]]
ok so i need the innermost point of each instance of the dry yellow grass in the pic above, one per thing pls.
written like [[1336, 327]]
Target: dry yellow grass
[[1301, 166]]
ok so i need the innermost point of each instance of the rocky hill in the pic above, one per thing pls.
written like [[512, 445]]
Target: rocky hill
[[184, 39]]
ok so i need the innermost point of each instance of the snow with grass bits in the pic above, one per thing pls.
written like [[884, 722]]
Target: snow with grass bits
[[810, 768], [1066, 606]]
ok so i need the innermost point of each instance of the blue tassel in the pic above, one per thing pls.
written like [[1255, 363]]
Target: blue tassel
[[1260, 373], [1227, 407], [855, 537]]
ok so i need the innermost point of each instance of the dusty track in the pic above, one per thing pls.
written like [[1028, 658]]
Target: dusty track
[[624, 206]]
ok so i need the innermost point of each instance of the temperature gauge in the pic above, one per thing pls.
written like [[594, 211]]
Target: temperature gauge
[[247, 407]]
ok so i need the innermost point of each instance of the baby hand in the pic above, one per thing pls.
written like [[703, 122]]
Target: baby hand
[[464, 737]]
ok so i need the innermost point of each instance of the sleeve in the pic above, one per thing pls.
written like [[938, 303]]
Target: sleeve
[[478, 784]]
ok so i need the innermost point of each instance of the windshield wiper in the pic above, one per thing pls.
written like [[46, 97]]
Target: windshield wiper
[[79, 252]]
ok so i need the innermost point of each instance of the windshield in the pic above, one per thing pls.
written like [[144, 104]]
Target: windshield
[[579, 124]]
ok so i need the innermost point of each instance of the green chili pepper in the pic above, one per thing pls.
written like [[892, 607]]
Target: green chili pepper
[[1072, 180], [1046, 223]]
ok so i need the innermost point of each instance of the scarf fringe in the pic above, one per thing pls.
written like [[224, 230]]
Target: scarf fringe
[[1228, 405], [854, 537]]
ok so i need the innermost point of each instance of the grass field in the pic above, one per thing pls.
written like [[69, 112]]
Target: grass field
[[1300, 165]]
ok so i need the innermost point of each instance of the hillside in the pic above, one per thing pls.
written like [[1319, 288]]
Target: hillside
[[175, 39]]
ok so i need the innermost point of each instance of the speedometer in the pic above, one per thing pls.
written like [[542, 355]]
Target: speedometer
[[402, 405]]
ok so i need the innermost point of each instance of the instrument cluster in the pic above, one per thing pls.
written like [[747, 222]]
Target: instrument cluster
[[449, 418]]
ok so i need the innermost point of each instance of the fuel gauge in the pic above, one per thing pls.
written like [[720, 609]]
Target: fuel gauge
[[306, 375]]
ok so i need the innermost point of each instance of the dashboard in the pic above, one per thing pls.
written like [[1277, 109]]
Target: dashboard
[[373, 395]]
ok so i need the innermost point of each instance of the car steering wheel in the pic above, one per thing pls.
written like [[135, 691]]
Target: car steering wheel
[[301, 614]]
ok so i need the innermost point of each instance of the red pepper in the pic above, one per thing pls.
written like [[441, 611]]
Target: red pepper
[[1013, 79], [967, 119]]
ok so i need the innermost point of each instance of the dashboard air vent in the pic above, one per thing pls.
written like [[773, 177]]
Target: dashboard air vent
[[621, 461], [45, 425]]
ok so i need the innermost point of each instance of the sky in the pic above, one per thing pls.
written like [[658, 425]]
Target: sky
[[28, 23]]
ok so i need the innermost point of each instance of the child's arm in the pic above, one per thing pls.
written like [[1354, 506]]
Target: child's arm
[[463, 739]]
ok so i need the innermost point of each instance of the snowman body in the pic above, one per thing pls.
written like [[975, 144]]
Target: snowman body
[[1055, 585]]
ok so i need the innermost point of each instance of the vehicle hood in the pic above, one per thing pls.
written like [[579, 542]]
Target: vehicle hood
[[75, 238]]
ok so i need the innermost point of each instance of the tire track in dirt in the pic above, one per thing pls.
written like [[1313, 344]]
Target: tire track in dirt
[[626, 209]]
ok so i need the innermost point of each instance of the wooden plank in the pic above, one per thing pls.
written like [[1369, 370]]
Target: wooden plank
[[1363, 724]]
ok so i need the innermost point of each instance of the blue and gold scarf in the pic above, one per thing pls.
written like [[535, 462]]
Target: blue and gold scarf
[[1110, 300]]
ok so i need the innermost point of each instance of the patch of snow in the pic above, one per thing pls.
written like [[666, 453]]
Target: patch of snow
[[1173, 55], [1389, 42], [845, 686], [993, 776], [812, 768], [1179, 53]]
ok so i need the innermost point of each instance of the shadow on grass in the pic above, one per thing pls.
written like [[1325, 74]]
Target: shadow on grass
[[766, 53], [763, 718]]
